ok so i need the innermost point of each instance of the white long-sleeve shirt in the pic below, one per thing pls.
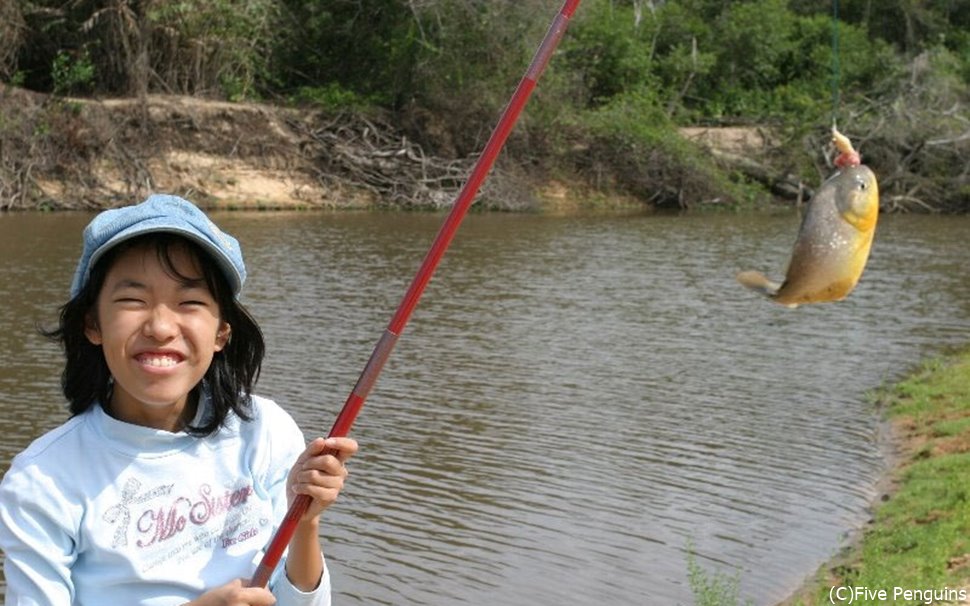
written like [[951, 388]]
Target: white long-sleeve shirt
[[99, 511]]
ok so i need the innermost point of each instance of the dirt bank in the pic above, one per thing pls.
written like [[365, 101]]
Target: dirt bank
[[88, 154], [59, 153]]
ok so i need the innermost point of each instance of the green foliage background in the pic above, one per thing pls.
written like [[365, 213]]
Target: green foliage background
[[627, 75]]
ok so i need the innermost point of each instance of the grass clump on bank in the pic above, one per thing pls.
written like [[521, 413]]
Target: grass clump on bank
[[712, 589], [919, 538]]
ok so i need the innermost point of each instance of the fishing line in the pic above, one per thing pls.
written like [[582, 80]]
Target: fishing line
[[836, 99]]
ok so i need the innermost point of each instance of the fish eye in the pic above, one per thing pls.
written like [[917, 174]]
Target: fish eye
[[863, 186]]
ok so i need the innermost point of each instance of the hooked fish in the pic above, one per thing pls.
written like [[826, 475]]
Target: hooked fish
[[833, 240]]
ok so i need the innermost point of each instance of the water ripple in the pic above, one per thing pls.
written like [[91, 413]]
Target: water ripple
[[575, 401]]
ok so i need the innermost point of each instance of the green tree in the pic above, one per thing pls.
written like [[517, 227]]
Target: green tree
[[12, 29], [367, 47], [212, 47]]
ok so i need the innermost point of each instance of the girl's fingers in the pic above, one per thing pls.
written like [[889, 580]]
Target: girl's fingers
[[321, 487], [326, 464], [324, 478], [342, 448], [329, 454], [320, 472], [322, 463]]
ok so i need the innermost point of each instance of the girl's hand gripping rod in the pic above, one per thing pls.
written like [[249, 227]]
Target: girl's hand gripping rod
[[441, 242]]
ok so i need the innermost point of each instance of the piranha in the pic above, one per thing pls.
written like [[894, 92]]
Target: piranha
[[834, 239]]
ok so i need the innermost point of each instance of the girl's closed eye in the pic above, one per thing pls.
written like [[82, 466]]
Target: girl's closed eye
[[197, 298]]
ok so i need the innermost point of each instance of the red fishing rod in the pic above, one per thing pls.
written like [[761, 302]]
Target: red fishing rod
[[355, 401]]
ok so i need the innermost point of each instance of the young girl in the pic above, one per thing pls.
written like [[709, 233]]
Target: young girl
[[170, 478]]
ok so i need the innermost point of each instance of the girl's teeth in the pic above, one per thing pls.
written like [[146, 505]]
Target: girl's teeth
[[160, 362]]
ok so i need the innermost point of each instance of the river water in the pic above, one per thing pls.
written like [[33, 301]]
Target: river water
[[576, 402]]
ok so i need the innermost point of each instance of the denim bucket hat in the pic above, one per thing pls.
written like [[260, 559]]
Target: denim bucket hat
[[159, 213]]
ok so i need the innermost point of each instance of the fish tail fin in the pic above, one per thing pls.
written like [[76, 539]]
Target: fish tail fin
[[758, 282]]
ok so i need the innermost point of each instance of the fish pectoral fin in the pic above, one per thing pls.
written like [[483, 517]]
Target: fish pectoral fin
[[758, 282]]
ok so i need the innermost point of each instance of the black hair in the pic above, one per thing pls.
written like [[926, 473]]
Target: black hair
[[229, 380]]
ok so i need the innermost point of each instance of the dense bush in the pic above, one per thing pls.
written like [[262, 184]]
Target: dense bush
[[628, 69], [217, 48]]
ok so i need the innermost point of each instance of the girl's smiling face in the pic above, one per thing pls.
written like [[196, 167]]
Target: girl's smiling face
[[159, 327]]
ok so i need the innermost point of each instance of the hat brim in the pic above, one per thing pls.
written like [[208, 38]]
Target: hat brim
[[163, 225]]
